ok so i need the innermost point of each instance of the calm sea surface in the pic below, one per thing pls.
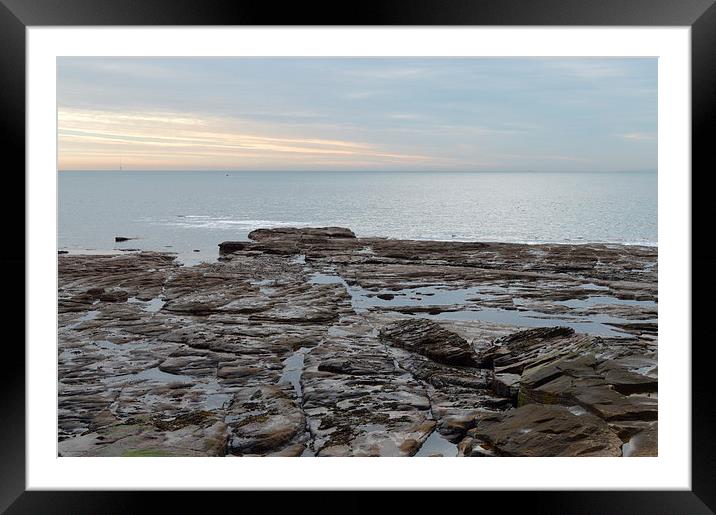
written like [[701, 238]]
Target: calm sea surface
[[187, 211]]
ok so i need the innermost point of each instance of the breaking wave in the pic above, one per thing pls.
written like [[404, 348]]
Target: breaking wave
[[209, 222]]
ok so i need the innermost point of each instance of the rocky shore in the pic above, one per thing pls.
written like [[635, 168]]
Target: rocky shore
[[312, 342]]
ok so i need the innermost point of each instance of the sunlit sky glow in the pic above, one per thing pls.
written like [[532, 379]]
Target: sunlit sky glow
[[466, 114]]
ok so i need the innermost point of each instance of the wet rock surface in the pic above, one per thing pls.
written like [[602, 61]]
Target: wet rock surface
[[313, 342], [539, 430], [429, 339]]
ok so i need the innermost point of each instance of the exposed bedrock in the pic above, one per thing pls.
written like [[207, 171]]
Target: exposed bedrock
[[305, 234], [431, 340], [538, 430], [314, 342], [264, 419]]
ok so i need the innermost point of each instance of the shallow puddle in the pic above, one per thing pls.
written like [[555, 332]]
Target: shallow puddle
[[106, 344], [264, 286], [577, 410], [600, 300], [592, 286], [150, 306], [629, 447], [90, 315], [154, 374], [319, 278], [308, 453], [293, 369], [217, 400], [464, 304], [593, 324], [437, 444]]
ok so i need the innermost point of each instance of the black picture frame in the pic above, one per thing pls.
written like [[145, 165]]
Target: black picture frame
[[17, 15]]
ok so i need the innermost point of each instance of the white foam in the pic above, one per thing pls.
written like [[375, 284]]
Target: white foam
[[198, 222]]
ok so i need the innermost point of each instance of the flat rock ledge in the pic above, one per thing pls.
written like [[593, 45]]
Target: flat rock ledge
[[315, 342]]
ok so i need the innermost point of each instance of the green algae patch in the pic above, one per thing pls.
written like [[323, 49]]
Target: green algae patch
[[197, 418], [254, 419], [521, 398]]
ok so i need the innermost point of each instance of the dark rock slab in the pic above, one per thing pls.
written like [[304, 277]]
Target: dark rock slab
[[227, 247], [625, 381], [507, 385], [431, 340], [611, 405], [516, 352], [549, 431], [362, 366], [302, 233], [584, 381], [528, 337], [114, 295]]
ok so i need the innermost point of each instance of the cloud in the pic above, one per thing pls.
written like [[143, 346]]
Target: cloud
[[146, 135], [357, 95], [638, 136], [544, 157], [589, 68], [405, 116], [123, 67], [391, 73], [409, 113]]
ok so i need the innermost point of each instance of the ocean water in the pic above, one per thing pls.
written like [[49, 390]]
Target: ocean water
[[186, 212]]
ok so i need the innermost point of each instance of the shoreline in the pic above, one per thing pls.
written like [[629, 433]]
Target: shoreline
[[164, 250], [312, 342]]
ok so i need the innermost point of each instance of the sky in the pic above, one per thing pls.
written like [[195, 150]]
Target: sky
[[422, 114]]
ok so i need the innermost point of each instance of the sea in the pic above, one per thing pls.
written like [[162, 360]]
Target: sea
[[191, 212]]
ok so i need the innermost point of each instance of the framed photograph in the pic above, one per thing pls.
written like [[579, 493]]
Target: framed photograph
[[353, 252]]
